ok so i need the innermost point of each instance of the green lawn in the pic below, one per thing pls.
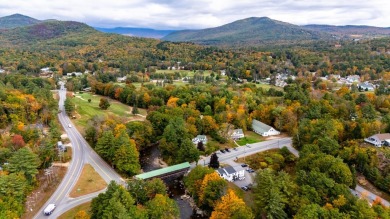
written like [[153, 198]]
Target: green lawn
[[86, 110], [250, 138], [268, 86]]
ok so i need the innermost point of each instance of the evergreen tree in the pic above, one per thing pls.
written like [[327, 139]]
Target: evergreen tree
[[105, 146], [214, 163]]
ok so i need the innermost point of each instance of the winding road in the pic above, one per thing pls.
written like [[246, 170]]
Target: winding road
[[82, 154]]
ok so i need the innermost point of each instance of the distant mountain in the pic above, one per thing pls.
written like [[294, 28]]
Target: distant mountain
[[350, 30], [16, 20], [43, 31], [138, 32], [250, 31]]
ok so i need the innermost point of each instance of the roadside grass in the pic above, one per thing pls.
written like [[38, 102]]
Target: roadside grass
[[72, 212], [250, 138], [86, 110], [90, 181]]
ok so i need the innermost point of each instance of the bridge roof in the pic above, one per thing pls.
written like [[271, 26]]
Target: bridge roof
[[163, 171]]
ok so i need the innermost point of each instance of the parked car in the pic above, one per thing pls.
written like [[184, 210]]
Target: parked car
[[244, 188], [49, 209], [251, 171], [227, 150], [222, 151], [244, 165], [248, 145]]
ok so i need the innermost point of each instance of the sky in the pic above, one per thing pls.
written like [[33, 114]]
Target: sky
[[197, 14]]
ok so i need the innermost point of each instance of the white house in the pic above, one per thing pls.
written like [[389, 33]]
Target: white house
[[263, 129], [77, 74], [366, 86], [223, 72], [202, 138], [2, 71], [237, 134], [60, 146], [232, 173], [353, 78], [379, 139], [45, 70], [121, 79]]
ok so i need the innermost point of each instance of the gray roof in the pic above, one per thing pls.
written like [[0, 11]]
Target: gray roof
[[259, 126], [383, 136], [238, 131], [230, 170], [221, 171], [201, 137]]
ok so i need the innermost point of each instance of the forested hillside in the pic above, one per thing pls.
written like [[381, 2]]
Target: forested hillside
[[252, 31], [28, 136]]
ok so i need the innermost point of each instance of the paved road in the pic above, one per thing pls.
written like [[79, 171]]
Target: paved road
[[249, 150], [82, 153], [229, 157]]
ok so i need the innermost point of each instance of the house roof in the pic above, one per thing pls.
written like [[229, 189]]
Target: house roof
[[238, 168], [201, 137], [230, 170], [238, 132], [383, 136], [163, 171], [221, 171], [260, 126]]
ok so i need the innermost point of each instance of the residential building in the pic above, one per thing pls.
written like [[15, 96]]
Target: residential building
[[223, 72], [232, 173], [2, 71], [202, 138], [60, 146], [366, 86], [237, 134], [263, 129], [353, 78], [379, 139], [77, 74], [121, 79]]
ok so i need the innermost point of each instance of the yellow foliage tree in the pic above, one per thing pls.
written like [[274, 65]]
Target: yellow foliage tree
[[231, 206], [172, 102], [82, 215]]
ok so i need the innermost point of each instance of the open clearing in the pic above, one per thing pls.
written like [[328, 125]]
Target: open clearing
[[72, 212], [90, 181], [250, 138], [86, 110]]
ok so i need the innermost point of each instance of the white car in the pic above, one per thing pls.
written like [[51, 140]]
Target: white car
[[70, 126], [49, 209]]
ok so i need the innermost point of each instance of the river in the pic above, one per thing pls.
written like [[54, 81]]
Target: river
[[150, 161]]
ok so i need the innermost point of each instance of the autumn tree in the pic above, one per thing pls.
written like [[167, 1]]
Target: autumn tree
[[69, 106], [126, 157], [212, 189], [143, 191], [231, 206], [105, 146], [193, 181], [104, 103], [162, 207]]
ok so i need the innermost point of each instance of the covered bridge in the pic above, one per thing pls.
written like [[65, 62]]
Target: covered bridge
[[166, 172]]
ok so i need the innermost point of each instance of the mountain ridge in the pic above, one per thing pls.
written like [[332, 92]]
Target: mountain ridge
[[253, 30], [138, 32], [16, 20]]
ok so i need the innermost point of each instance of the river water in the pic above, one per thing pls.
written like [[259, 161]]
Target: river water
[[149, 162]]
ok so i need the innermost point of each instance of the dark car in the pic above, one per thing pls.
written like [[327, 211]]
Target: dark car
[[222, 151], [251, 171], [244, 165], [227, 150], [245, 188]]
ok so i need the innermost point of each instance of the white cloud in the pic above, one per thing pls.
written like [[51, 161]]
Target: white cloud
[[179, 14]]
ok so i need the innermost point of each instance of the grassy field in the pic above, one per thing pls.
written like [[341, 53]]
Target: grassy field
[[90, 181], [72, 212], [86, 110], [268, 86], [250, 138]]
